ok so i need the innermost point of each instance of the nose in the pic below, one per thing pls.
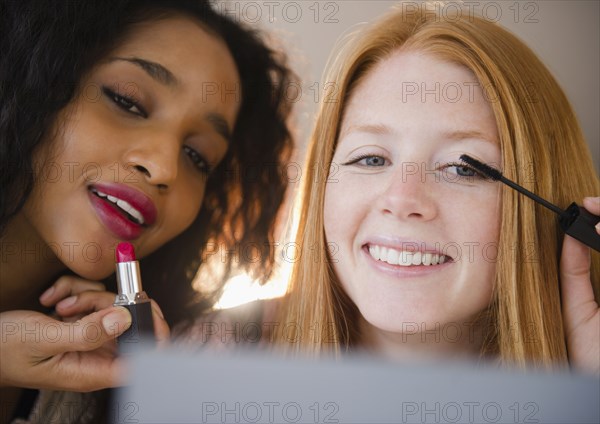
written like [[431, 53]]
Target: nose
[[408, 195], [156, 158]]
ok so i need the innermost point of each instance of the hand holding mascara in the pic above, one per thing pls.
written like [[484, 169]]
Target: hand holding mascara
[[132, 297], [575, 221]]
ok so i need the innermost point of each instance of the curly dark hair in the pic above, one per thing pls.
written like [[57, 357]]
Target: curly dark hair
[[46, 50]]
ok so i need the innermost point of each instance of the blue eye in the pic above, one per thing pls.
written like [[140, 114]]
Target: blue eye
[[371, 161], [124, 102], [198, 160], [463, 170]]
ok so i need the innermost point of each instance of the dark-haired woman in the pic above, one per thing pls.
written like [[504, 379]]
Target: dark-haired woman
[[124, 120]]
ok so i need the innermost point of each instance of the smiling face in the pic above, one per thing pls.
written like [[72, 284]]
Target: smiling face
[[133, 150], [416, 234]]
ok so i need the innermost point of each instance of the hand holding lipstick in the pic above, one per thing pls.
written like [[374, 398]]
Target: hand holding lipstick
[[74, 298], [581, 315], [77, 353]]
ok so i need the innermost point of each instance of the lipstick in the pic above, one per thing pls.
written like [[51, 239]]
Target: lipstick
[[132, 297]]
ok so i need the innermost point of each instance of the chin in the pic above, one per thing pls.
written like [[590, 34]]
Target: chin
[[388, 320], [93, 271], [399, 320]]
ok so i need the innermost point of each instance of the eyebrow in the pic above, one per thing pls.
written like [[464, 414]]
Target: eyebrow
[[220, 125], [462, 135], [367, 128], [450, 135], [157, 71]]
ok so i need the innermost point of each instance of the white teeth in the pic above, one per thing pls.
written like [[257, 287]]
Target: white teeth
[[123, 205], [130, 210], [383, 253], [374, 251], [392, 256], [404, 258]]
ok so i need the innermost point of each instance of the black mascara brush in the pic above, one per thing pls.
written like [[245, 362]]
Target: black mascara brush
[[575, 221]]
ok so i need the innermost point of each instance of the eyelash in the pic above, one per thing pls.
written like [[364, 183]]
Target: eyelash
[[476, 173], [357, 159], [199, 162], [125, 102]]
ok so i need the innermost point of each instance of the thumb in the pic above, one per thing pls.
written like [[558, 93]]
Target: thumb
[[576, 288], [91, 331]]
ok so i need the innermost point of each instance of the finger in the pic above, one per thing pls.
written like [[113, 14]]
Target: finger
[[83, 372], [161, 328], [24, 363], [71, 318], [66, 286], [592, 204], [92, 377], [85, 302], [576, 287], [89, 333], [117, 375]]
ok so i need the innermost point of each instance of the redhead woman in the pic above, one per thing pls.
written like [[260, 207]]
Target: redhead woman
[[421, 255]]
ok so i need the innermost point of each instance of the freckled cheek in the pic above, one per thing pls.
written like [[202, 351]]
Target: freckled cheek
[[344, 205], [486, 214], [479, 237], [471, 220], [328, 215], [334, 216]]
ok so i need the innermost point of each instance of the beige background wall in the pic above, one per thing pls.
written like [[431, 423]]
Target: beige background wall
[[564, 33]]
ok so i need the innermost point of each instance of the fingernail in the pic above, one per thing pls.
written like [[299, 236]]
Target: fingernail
[[47, 294], [117, 321], [65, 303]]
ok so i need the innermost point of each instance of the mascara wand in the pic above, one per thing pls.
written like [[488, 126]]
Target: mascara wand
[[575, 221]]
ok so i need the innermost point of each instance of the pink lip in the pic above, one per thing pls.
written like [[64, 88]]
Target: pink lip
[[113, 218]]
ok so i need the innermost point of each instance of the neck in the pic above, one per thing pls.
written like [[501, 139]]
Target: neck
[[28, 266], [450, 341]]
